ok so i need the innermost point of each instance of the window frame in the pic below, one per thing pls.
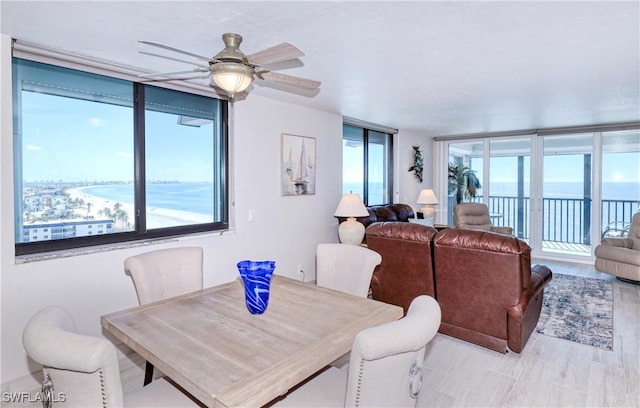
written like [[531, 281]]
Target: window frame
[[220, 162]]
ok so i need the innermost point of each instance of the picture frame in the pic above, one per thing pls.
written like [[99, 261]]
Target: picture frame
[[298, 165]]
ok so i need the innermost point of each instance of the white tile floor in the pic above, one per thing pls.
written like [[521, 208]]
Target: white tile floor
[[550, 372]]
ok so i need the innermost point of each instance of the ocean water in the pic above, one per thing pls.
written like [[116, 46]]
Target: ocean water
[[197, 197], [191, 197]]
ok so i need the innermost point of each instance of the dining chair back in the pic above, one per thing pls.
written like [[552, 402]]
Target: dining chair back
[[346, 268], [385, 368], [82, 371], [165, 272]]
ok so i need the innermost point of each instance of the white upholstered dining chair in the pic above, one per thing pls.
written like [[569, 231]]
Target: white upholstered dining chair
[[164, 273], [346, 268], [84, 369], [385, 368]]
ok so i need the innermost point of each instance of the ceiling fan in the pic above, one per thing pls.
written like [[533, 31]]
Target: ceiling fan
[[232, 70]]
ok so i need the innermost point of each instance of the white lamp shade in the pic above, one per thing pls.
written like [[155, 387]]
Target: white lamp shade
[[427, 196], [232, 77], [351, 205]]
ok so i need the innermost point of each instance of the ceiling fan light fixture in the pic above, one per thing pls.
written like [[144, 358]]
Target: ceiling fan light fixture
[[232, 77], [231, 71]]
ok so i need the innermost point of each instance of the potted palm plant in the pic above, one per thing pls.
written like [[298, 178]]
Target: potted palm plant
[[463, 181]]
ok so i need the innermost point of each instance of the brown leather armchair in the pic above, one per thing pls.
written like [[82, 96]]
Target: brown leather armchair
[[621, 256], [406, 270], [487, 289], [476, 216]]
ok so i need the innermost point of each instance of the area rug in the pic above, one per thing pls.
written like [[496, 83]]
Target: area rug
[[578, 309]]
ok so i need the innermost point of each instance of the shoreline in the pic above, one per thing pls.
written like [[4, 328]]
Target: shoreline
[[156, 217]]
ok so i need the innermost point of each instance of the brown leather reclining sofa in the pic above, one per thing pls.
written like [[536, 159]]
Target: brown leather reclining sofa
[[487, 289], [388, 212]]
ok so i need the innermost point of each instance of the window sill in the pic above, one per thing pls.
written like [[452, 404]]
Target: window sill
[[46, 256]]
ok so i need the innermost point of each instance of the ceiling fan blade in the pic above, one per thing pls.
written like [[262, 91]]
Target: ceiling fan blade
[[170, 48], [277, 53], [170, 58], [291, 80], [164, 74]]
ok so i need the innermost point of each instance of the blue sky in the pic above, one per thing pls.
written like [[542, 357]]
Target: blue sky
[[619, 167], [74, 140]]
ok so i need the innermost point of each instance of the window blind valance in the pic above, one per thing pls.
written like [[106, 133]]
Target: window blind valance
[[64, 59], [368, 125], [609, 127]]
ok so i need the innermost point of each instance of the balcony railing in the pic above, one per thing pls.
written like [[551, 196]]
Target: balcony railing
[[566, 220]]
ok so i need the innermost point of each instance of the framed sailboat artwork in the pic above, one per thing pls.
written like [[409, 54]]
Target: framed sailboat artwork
[[298, 172]]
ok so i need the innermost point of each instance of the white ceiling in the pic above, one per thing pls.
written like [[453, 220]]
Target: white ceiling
[[442, 67]]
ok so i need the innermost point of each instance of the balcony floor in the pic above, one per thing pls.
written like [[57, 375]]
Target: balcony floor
[[566, 248]]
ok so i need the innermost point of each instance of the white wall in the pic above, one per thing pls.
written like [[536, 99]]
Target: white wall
[[285, 229]]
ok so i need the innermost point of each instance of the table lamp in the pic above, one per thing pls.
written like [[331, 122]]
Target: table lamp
[[428, 198], [351, 231]]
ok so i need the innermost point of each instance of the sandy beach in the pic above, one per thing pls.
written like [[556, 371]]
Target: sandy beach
[[156, 217]]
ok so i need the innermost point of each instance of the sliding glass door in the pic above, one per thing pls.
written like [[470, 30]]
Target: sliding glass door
[[559, 192], [509, 182], [567, 192], [504, 180], [465, 163]]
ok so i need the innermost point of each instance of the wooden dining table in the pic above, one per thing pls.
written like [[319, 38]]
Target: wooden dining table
[[208, 343]]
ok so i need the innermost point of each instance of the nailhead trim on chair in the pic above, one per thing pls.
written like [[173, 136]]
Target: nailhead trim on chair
[[360, 373], [104, 392]]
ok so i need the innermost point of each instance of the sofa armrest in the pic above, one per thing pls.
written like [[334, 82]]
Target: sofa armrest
[[540, 276], [502, 230], [617, 242], [403, 211], [523, 317]]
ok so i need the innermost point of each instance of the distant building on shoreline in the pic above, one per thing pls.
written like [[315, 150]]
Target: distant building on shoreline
[[45, 231]]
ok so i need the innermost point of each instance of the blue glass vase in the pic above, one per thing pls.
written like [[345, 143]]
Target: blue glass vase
[[256, 276]]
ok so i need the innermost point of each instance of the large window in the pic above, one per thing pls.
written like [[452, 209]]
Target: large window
[[367, 164], [100, 160]]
